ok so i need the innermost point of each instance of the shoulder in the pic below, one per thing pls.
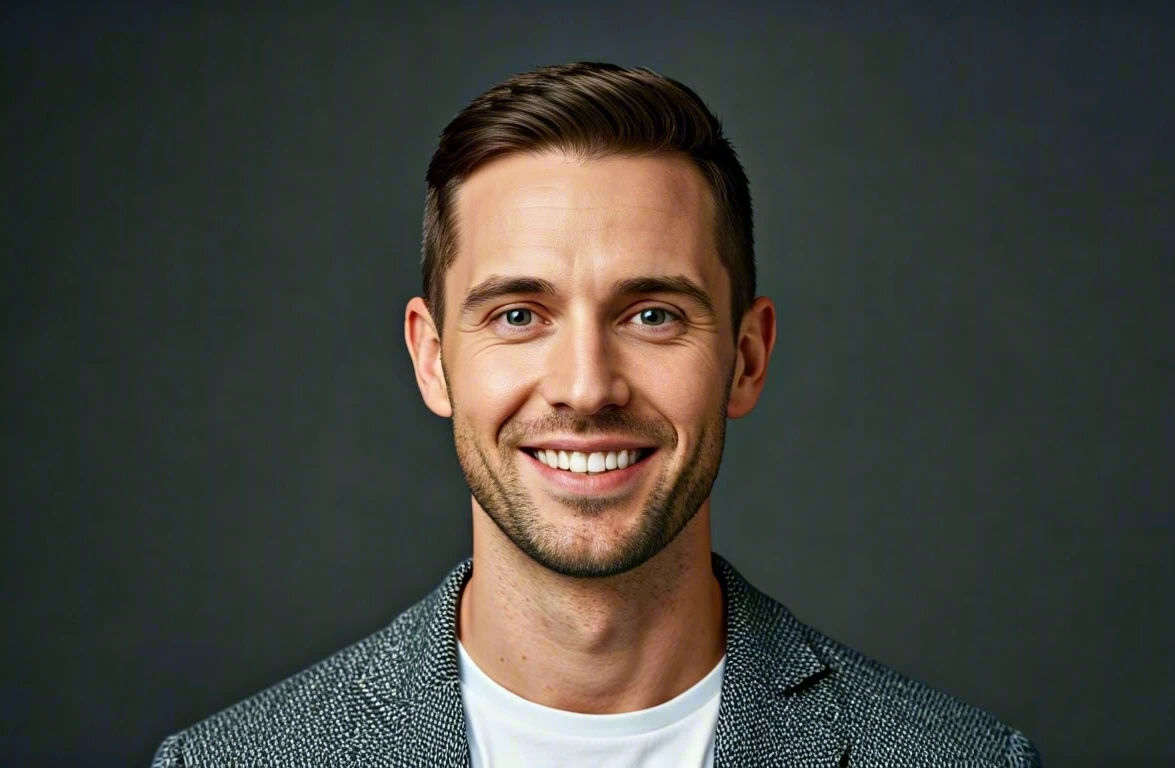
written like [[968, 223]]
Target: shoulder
[[885, 717], [304, 717], [893, 717]]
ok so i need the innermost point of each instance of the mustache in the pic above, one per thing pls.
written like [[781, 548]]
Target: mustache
[[610, 423]]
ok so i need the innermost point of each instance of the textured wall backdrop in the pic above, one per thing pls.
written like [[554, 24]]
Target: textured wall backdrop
[[216, 468]]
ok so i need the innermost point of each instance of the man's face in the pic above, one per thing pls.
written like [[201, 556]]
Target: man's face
[[587, 327]]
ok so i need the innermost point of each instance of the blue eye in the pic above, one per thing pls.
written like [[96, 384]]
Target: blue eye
[[518, 317], [654, 316]]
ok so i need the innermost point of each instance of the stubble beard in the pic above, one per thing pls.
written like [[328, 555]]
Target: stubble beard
[[671, 504]]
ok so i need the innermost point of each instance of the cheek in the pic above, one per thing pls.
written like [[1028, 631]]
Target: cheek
[[685, 387], [494, 383], [687, 401]]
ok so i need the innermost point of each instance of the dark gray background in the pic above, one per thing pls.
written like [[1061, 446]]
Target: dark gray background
[[217, 469]]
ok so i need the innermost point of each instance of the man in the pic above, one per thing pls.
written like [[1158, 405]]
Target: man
[[589, 324]]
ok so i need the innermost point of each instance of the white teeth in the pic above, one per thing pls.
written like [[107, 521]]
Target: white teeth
[[577, 461]]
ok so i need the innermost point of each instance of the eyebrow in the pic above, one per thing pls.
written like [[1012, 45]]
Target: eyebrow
[[675, 284], [497, 286]]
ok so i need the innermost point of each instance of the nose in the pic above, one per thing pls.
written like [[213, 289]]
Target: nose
[[584, 370]]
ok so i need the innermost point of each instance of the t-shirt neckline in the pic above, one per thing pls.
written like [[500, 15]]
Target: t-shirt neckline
[[479, 685]]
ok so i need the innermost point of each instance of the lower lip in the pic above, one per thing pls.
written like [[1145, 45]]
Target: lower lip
[[583, 483]]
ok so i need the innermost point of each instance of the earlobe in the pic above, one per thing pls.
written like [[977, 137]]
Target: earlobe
[[753, 352], [424, 347]]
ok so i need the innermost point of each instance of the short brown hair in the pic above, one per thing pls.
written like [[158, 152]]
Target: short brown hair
[[592, 110]]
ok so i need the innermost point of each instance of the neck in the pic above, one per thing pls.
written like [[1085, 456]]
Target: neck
[[615, 644]]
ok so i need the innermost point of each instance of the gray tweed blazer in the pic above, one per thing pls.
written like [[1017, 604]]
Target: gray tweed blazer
[[790, 697]]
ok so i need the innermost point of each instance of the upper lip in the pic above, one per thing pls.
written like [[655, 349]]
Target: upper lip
[[587, 445]]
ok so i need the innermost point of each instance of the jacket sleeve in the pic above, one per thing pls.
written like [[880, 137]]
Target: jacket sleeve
[[1021, 752], [169, 754]]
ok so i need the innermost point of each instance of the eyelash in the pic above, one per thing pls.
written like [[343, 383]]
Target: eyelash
[[675, 319]]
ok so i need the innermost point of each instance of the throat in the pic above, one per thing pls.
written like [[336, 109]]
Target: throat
[[591, 647]]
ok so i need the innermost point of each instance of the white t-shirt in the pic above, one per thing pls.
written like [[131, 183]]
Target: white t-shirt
[[506, 730]]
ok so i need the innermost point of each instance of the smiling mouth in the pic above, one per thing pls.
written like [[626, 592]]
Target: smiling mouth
[[596, 463]]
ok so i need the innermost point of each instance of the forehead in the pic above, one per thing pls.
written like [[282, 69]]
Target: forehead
[[560, 217]]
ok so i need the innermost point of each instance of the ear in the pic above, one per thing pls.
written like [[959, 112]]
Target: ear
[[756, 339], [424, 346]]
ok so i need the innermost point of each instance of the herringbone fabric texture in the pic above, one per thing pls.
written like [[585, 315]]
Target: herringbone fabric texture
[[791, 696]]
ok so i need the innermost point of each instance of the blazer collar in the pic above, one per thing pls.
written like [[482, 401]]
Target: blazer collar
[[781, 702]]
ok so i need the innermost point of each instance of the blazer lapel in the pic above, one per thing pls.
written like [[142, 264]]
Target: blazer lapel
[[405, 705], [781, 703]]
